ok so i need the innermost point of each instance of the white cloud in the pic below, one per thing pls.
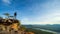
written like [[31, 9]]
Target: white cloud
[[52, 18], [25, 21], [7, 1]]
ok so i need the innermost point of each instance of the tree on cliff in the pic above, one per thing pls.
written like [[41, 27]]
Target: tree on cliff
[[7, 14]]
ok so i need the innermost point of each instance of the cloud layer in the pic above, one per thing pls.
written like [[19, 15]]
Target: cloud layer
[[7, 1], [47, 12]]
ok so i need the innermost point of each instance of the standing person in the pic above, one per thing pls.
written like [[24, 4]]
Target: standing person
[[15, 14]]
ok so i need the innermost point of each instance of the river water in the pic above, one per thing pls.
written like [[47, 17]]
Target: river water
[[47, 31]]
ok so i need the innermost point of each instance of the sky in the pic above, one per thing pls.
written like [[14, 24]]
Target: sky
[[32, 11]]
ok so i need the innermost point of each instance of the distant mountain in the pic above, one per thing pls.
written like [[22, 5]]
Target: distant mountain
[[54, 27]]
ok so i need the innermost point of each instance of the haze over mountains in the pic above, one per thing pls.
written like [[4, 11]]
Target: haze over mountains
[[54, 27]]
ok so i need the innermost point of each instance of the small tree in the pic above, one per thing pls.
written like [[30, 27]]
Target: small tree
[[11, 17], [7, 14], [1, 17]]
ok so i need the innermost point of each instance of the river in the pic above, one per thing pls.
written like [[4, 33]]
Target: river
[[47, 30]]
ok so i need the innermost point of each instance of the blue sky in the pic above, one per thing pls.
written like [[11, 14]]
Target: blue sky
[[33, 11]]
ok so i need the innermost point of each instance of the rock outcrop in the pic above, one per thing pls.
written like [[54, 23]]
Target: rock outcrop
[[12, 26]]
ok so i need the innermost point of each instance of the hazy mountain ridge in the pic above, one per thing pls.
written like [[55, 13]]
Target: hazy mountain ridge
[[54, 27]]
